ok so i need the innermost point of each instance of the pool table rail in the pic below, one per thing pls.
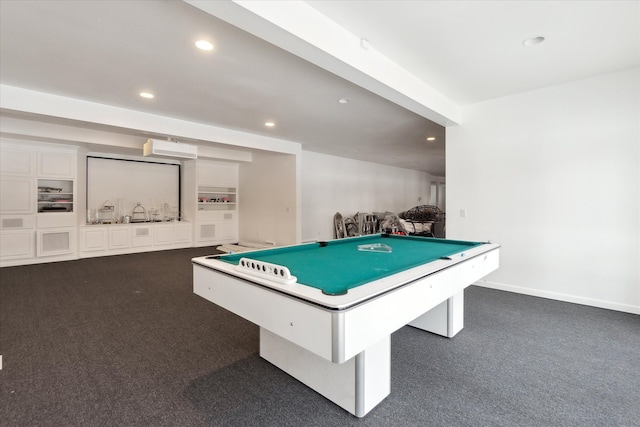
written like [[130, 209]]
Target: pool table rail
[[356, 295]]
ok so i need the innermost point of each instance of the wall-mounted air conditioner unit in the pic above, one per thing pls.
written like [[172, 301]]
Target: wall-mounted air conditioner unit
[[158, 147]]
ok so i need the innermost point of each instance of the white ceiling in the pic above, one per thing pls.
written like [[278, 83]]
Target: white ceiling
[[466, 51]]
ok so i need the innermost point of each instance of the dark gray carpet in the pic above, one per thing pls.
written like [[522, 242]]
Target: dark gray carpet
[[123, 341]]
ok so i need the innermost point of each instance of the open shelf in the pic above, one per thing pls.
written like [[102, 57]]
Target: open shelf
[[216, 198], [55, 195]]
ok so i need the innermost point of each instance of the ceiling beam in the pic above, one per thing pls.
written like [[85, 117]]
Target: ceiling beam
[[303, 31], [19, 100]]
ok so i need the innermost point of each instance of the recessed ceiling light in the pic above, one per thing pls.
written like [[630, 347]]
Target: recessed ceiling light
[[147, 95], [204, 45], [269, 124], [344, 100], [533, 41], [431, 138]]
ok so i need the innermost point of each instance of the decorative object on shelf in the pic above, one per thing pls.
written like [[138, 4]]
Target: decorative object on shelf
[[216, 198], [49, 190], [107, 213], [139, 213]]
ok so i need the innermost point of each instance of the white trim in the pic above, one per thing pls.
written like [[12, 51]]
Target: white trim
[[627, 308]]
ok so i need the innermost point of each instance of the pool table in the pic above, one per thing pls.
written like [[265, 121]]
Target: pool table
[[326, 310]]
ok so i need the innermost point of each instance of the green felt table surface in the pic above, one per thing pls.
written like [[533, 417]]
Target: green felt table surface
[[338, 265]]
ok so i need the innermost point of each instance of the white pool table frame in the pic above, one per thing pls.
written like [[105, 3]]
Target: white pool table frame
[[340, 345]]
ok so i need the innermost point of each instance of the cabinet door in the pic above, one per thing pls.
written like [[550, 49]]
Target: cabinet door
[[56, 165], [17, 195], [93, 239], [163, 235], [226, 231], [56, 241], [119, 237], [182, 233], [217, 232], [17, 244], [142, 236], [17, 163], [206, 232], [216, 174]]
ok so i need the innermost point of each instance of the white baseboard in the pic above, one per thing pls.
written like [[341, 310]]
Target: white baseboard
[[626, 308]]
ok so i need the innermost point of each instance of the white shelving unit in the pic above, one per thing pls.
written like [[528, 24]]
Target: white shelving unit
[[210, 199], [37, 217]]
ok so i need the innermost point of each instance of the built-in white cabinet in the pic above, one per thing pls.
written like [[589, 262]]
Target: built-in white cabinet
[[17, 183], [116, 239], [37, 194], [56, 235], [210, 197], [17, 238], [216, 227], [39, 208]]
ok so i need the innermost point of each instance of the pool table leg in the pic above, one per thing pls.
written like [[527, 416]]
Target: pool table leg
[[356, 385], [446, 319]]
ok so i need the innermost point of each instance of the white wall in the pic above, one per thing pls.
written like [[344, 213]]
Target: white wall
[[335, 184], [553, 176]]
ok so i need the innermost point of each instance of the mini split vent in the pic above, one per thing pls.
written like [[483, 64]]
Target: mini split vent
[[157, 147]]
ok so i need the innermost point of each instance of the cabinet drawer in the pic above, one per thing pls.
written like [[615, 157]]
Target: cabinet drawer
[[216, 215], [17, 222], [56, 219]]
